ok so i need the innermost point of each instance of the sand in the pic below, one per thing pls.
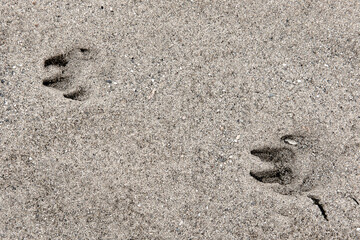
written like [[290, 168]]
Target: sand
[[179, 119]]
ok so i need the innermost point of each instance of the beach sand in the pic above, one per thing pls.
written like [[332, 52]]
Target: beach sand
[[179, 119]]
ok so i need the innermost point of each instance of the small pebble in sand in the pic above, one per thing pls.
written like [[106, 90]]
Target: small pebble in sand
[[221, 159], [290, 141], [152, 94]]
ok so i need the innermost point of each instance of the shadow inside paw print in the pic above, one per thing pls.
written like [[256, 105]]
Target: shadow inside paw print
[[65, 81], [58, 82], [59, 61]]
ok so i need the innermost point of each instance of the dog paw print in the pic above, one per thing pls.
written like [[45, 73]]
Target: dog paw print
[[293, 168], [69, 79], [286, 169]]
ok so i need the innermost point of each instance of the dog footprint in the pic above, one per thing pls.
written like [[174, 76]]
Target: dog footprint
[[294, 167], [68, 79]]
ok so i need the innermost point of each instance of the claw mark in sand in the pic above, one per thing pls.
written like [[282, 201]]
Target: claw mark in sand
[[317, 202], [357, 202]]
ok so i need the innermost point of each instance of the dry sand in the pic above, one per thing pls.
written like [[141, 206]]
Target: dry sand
[[164, 119]]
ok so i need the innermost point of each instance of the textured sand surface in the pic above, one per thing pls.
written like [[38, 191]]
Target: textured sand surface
[[179, 119]]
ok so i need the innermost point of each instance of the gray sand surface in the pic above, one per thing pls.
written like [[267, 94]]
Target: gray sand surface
[[179, 119]]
